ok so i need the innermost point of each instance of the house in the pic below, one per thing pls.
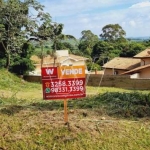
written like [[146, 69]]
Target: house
[[143, 71], [119, 65], [61, 58]]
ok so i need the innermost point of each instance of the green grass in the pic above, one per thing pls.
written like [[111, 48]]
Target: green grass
[[107, 119]]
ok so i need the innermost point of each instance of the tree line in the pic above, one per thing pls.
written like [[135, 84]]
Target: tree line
[[19, 28]]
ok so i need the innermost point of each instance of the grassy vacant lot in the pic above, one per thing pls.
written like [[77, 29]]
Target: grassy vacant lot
[[107, 119]]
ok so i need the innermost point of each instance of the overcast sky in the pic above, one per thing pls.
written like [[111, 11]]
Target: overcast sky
[[79, 15]]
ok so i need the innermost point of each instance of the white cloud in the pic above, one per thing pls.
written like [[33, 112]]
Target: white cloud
[[141, 5], [79, 15]]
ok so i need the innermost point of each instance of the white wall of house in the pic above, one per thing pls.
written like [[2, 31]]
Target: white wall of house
[[62, 53], [72, 62], [136, 75], [68, 62]]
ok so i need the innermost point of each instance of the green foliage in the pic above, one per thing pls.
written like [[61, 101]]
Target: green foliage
[[42, 54], [22, 63], [87, 41], [132, 104], [8, 80], [84, 48], [13, 84], [93, 66], [15, 30], [69, 46], [147, 43], [113, 32], [2, 62], [131, 49], [56, 34], [48, 52], [89, 37], [100, 48], [78, 52], [63, 41]]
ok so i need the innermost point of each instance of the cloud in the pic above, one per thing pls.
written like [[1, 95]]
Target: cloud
[[79, 15], [70, 7], [141, 5]]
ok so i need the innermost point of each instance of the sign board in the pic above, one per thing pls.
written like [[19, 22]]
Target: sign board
[[64, 88], [63, 82]]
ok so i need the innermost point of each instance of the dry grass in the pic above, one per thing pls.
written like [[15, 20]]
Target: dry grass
[[44, 130], [29, 123]]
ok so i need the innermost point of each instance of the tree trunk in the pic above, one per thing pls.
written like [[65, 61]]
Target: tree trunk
[[6, 49], [8, 61], [41, 55], [54, 61]]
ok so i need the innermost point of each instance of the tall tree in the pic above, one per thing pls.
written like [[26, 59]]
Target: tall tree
[[57, 37], [42, 33], [87, 41], [56, 34], [16, 24], [112, 32]]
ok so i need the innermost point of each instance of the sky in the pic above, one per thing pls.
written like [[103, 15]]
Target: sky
[[78, 15]]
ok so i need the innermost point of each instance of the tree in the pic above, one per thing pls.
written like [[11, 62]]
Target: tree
[[16, 25], [87, 41], [65, 45], [112, 32], [56, 34], [101, 52], [42, 33], [57, 37], [22, 63], [100, 48], [131, 49]]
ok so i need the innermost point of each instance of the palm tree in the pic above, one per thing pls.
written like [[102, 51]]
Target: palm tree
[[57, 36]]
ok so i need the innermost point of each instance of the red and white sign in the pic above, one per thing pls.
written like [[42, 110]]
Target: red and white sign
[[64, 88], [49, 72], [63, 82]]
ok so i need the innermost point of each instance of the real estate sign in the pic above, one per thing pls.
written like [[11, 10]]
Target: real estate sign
[[63, 82]]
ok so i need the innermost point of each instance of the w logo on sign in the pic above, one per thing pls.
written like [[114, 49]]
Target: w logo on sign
[[49, 72]]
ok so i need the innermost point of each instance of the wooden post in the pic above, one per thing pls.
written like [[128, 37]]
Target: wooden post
[[65, 112]]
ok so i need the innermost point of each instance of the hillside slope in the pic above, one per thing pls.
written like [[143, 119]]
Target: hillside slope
[[11, 85], [9, 80]]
